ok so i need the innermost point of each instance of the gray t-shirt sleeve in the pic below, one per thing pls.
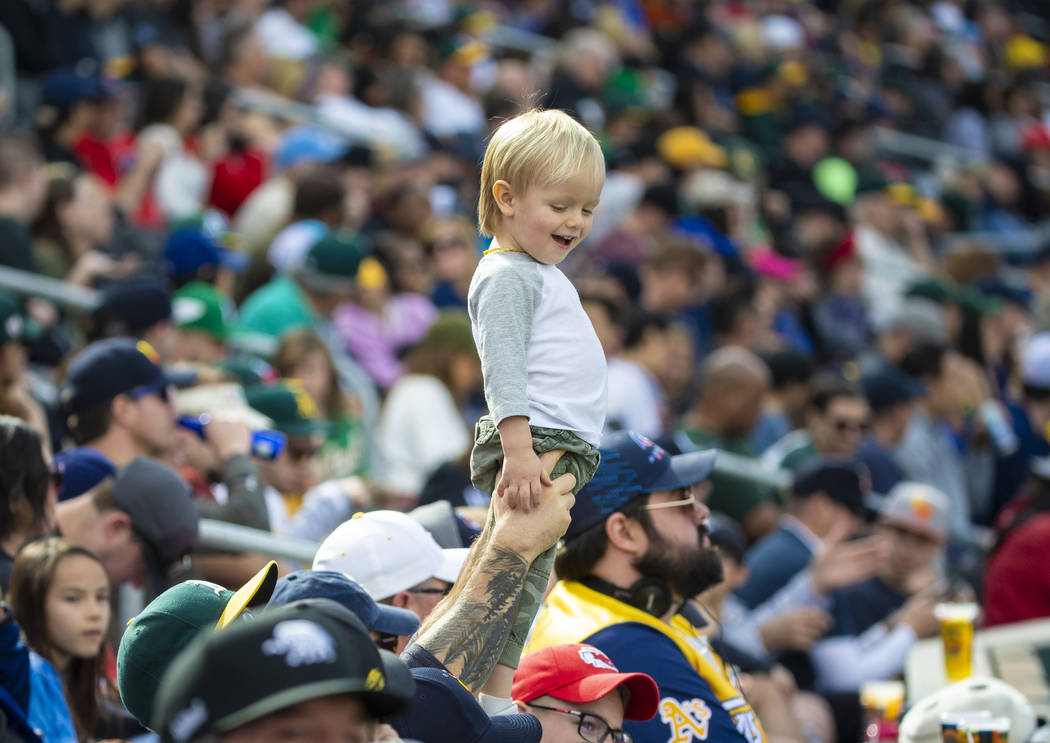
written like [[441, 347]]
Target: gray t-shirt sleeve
[[503, 302]]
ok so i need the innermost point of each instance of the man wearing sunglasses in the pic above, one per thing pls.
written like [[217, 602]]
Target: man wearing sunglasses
[[298, 502], [837, 420], [117, 400], [635, 552], [578, 694]]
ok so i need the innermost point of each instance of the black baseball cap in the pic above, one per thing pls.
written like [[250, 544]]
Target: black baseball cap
[[163, 513], [632, 465], [131, 306], [844, 481], [282, 657], [444, 711], [111, 367], [328, 584]]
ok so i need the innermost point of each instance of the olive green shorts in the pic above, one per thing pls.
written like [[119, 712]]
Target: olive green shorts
[[486, 458]]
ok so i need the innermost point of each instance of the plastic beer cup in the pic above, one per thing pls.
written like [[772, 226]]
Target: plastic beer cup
[[957, 623]]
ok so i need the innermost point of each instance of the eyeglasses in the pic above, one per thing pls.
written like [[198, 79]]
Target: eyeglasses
[[844, 425], [442, 591], [160, 390], [387, 642], [689, 500], [298, 453], [591, 728]]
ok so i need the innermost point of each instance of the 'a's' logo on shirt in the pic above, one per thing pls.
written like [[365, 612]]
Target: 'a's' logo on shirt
[[688, 719]]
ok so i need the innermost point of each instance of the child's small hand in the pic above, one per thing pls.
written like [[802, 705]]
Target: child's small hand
[[521, 480]]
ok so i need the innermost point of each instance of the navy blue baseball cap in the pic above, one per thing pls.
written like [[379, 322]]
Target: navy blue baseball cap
[[131, 306], [67, 87], [81, 468], [327, 584], [631, 466], [111, 367], [845, 481], [444, 711], [889, 386]]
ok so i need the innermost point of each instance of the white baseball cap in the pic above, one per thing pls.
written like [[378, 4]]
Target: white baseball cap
[[922, 723], [387, 552], [919, 508]]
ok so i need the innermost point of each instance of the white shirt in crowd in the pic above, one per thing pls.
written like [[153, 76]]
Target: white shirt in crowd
[[636, 402], [420, 428]]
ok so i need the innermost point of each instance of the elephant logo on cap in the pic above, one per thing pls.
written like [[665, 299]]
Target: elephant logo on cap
[[301, 642]]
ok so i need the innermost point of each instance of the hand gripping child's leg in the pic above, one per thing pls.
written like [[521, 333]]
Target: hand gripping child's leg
[[531, 599]]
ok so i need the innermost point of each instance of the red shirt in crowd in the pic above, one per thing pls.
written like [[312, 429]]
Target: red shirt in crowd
[[1017, 582]]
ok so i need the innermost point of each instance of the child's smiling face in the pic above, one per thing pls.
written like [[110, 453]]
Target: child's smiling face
[[547, 221]]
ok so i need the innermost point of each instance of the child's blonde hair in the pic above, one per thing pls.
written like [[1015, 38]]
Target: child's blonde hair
[[537, 146]]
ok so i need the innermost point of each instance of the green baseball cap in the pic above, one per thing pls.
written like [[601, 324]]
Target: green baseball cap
[[870, 181], [249, 370], [200, 306], [288, 405], [969, 301], [13, 325], [451, 331], [931, 288], [170, 623], [331, 263]]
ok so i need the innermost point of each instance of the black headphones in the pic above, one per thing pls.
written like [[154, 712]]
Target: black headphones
[[651, 595]]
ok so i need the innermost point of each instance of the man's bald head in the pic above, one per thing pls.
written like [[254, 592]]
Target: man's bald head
[[733, 386]]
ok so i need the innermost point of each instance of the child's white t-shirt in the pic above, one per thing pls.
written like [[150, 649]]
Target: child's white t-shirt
[[539, 352]]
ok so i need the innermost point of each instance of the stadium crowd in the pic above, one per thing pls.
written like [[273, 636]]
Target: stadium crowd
[[821, 249]]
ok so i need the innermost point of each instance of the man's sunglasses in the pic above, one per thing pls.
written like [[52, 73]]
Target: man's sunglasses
[[299, 453], [146, 390], [844, 425]]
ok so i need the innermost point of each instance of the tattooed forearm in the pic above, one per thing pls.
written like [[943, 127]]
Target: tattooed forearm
[[469, 637]]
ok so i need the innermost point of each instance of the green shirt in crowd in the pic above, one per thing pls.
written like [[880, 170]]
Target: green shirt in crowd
[[270, 311], [791, 451]]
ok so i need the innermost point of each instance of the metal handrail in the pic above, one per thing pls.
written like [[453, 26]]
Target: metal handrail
[[221, 535], [923, 148], [27, 283]]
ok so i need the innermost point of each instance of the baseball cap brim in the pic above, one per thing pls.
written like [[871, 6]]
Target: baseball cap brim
[[685, 470], [911, 525], [302, 428], [378, 703], [155, 567], [391, 620], [520, 728], [451, 564], [256, 592], [180, 377], [399, 679], [645, 695]]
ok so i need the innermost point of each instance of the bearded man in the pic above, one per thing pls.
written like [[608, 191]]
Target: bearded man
[[635, 553]]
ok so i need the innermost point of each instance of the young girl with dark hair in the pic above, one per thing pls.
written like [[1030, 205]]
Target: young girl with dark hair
[[60, 597]]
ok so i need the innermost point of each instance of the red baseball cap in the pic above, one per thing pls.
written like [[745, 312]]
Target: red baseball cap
[[582, 673]]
